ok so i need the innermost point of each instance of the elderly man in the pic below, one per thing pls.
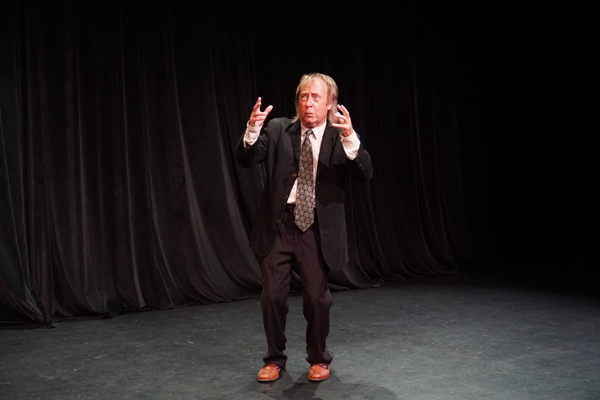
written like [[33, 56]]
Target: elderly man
[[300, 223]]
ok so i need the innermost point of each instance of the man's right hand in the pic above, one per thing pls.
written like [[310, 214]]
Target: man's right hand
[[257, 118]]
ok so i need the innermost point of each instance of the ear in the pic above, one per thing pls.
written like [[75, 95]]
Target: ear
[[329, 106]]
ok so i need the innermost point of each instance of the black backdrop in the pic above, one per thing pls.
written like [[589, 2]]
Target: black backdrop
[[118, 121]]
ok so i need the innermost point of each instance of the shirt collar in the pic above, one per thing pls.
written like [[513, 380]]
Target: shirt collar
[[318, 131]]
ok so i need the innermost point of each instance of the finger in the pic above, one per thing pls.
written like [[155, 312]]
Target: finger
[[257, 112], [257, 105], [343, 118], [344, 110]]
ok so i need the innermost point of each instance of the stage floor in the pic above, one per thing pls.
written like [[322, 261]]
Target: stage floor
[[448, 338]]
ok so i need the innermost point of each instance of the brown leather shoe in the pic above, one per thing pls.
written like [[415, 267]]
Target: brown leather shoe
[[318, 372], [269, 373]]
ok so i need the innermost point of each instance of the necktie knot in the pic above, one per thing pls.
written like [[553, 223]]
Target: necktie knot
[[307, 135]]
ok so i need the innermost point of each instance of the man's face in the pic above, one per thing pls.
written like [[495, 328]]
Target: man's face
[[313, 104]]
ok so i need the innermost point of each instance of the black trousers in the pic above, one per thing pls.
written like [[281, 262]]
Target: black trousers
[[299, 251]]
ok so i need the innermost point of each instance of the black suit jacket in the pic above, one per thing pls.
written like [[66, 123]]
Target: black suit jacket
[[279, 147]]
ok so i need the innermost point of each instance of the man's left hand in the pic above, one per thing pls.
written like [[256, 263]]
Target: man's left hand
[[344, 121]]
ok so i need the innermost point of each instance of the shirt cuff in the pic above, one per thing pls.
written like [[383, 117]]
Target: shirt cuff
[[251, 135], [351, 144]]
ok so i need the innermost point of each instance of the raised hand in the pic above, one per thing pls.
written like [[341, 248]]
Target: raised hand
[[344, 121], [257, 118]]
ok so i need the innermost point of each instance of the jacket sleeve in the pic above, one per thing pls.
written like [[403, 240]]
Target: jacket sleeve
[[257, 153], [360, 168]]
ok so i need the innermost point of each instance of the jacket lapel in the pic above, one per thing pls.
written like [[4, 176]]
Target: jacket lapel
[[326, 148], [295, 136]]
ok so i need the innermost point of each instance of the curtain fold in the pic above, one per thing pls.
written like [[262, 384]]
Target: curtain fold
[[118, 122]]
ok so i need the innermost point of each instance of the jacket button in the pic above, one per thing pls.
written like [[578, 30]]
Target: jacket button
[[295, 175]]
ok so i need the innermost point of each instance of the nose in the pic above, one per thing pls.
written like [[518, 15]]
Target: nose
[[309, 102]]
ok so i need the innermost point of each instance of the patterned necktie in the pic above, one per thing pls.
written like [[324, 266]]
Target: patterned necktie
[[305, 199]]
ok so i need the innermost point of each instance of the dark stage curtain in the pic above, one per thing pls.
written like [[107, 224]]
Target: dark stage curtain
[[118, 120]]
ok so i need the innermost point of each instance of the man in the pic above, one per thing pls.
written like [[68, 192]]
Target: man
[[300, 222]]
